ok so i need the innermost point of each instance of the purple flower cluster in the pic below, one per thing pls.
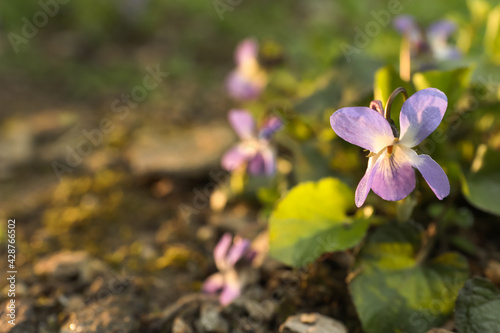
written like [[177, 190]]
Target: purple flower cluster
[[248, 80], [228, 281], [254, 150], [434, 39]]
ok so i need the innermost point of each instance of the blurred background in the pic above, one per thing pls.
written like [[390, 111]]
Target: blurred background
[[112, 114]]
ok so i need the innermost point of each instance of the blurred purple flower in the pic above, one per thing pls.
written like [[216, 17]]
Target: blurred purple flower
[[391, 160], [248, 80], [434, 39], [254, 149], [228, 281]]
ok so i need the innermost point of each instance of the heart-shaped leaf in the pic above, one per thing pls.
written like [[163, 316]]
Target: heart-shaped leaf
[[395, 291], [478, 307], [481, 186], [311, 220]]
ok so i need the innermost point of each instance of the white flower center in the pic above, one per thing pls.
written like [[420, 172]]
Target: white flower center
[[391, 147], [254, 145]]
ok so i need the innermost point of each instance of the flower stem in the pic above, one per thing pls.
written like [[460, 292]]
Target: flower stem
[[429, 242], [388, 106], [434, 231], [405, 60]]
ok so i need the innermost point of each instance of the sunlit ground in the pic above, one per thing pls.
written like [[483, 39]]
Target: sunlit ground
[[115, 128]]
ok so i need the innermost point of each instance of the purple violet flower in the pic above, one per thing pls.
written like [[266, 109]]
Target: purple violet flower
[[248, 80], [434, 39], [254, 149], [227, 281], [391, 160]]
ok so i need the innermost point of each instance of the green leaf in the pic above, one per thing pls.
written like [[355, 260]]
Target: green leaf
[[481, 186], [311, 220], [492, 35], [309, 163], [461, 217], [386, 81], [463, 244], [453, 82], [478, 307], [395, 292]]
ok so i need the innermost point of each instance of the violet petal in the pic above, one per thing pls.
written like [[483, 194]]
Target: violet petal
[[213, 283], [232, 288], [235, 157], [420, 115], [362, 127], [431, 171], [242, 122], [394, 178], [237, 251], [257, 166], [441, 30], [241, 87], [405, 24], [220, 251], [271, 126], [246, 50], [365, 183], [269, 159]]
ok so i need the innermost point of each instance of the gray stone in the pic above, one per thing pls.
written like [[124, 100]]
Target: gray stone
[[211, 319], [492, 271], [47, 125], [190, 151], [235, 219], [181, 326], [68, 265], [115, 313], [249, 315], [16, 146], [312, 323]]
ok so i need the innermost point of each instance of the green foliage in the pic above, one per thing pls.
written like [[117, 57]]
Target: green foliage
[[478, 307], [395, 291], [312, 219], [481, 185], [452, 82], [461, 217], [321, 99], [492, 36], [93, 16], [386, 81], [310, 164]]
